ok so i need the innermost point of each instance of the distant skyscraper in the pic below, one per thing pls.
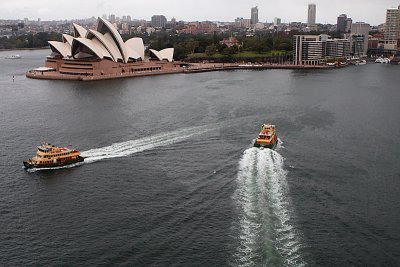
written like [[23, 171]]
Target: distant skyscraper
[[254, 15], [173, 22], [341, 23], [392, 28], [312, 13], [349, 22], [112, 18], [359, 38], [158, 21], [277, 21], [128, 18]]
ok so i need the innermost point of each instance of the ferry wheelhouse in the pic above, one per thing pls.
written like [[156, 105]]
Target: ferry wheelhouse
[[267, 137], [48, 155]]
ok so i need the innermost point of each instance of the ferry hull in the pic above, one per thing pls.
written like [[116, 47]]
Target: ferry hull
[[29, 165], [271, 146]]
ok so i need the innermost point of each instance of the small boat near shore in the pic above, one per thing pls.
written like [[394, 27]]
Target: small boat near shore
[[361, 62], [13, 57], [382, 60], [48, 156], [267, 137]]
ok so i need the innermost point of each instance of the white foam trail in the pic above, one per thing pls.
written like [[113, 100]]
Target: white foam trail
[[127, 148], [267, 234], [55, 168], [280, 144]]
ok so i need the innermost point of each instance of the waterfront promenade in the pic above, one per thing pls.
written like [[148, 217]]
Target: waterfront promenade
[[185, 68]]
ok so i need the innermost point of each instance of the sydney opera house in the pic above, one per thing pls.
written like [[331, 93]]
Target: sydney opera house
[[102, 54]]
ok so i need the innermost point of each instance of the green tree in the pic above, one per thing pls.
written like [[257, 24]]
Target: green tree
[[211, 50]]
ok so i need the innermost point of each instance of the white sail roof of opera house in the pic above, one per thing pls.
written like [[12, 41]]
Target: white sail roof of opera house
[[135, 48], [165, 54], [79, 31], [67, 39], [104, 27], [104, 42], [86, 46], [63, 49], [108, 42]]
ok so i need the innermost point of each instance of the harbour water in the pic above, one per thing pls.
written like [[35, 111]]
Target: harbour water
[[171, 178]]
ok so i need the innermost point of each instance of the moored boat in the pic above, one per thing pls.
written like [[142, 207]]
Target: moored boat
[[48, 156], [361, 62], [267, 137]]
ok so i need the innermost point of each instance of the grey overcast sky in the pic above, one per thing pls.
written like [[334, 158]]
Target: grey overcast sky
[[370, 11]]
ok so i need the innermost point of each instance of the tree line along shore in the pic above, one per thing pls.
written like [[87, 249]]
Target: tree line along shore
[[260, 47]]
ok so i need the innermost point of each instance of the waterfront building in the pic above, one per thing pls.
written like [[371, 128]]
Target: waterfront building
[[359, 38], [337, 48], [312, 13], [254, 15], [99, 54], [341, 23], [158, 21], [316, 49], [307, 50], [392, 28]]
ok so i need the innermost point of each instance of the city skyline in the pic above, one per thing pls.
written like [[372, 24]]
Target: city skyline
[[367, 11]]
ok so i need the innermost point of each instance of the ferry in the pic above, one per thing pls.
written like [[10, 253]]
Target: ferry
[[267, 137], [48, 156]]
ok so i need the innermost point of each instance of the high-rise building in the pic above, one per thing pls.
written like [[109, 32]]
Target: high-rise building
[[359, 38], [128, 18], [158, 21], [312, 13], [392, 28], [173, 22], [111, 18], [254, 15], [341, 23], [277, 21], [349, 22]]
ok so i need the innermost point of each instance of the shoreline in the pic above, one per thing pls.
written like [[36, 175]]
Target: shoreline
[[193, 68], [21, 49]]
